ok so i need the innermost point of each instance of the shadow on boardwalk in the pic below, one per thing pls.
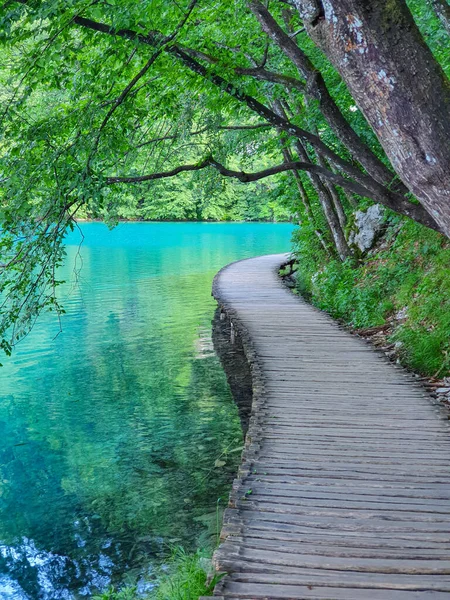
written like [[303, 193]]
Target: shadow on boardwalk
[[344, 487]]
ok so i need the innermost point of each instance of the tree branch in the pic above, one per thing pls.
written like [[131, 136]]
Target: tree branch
[[154, 38], [204, 130], [257, 72], [414, 211], [375, 190], [121, 98], [162, 175]]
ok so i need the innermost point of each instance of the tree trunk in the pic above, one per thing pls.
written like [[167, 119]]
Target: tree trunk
[[333, 192], [397, 83], [326, 203], [316, 88], [323, 193], [305, 201], [287, 156], [338, 208]]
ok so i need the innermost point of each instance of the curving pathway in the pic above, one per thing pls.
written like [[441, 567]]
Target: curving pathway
[[344, 487]]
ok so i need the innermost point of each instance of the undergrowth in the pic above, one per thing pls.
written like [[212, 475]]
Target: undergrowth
[[188, 579], [185, 579], [404, 281]]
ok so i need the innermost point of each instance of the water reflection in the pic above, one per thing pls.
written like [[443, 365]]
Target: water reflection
[[229, 348], [109, 435]]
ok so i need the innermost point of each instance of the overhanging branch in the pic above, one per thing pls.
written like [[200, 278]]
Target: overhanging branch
[[413, 211], [243, 176], [372, 188], [257, 72], [393, 200]]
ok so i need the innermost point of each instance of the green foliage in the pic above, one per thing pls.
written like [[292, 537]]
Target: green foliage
[[187, 579], [81, 106], [407, 272], [184, 578]]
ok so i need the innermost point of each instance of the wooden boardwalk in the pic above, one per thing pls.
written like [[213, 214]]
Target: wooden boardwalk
[[344, 487]]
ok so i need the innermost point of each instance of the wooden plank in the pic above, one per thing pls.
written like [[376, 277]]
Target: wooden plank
[[344, 485], [256, 591], [307, 546], [342, 579], [343, 562], [253, 530]]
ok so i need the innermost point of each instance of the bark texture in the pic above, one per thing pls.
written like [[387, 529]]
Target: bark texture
[[316, 88], [398, 85]]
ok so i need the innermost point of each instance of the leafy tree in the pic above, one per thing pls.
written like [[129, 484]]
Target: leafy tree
[[105, 103]]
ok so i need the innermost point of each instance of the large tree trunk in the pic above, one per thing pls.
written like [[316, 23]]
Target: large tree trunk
[[397, 83], [316, 88]]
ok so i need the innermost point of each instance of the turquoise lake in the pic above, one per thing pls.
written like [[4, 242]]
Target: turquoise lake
[[119, 435]]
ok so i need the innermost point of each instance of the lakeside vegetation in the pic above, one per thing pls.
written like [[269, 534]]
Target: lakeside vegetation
[[186, 579], [401, 288]]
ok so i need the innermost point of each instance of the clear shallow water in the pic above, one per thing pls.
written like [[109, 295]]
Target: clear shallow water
[[109, 434]]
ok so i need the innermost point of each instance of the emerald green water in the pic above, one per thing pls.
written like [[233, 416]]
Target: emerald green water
[[109, 434]]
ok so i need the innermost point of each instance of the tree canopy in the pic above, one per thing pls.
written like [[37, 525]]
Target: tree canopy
[[193, 109]]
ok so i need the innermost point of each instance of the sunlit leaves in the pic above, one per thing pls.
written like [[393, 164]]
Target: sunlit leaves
[[67, 125]]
